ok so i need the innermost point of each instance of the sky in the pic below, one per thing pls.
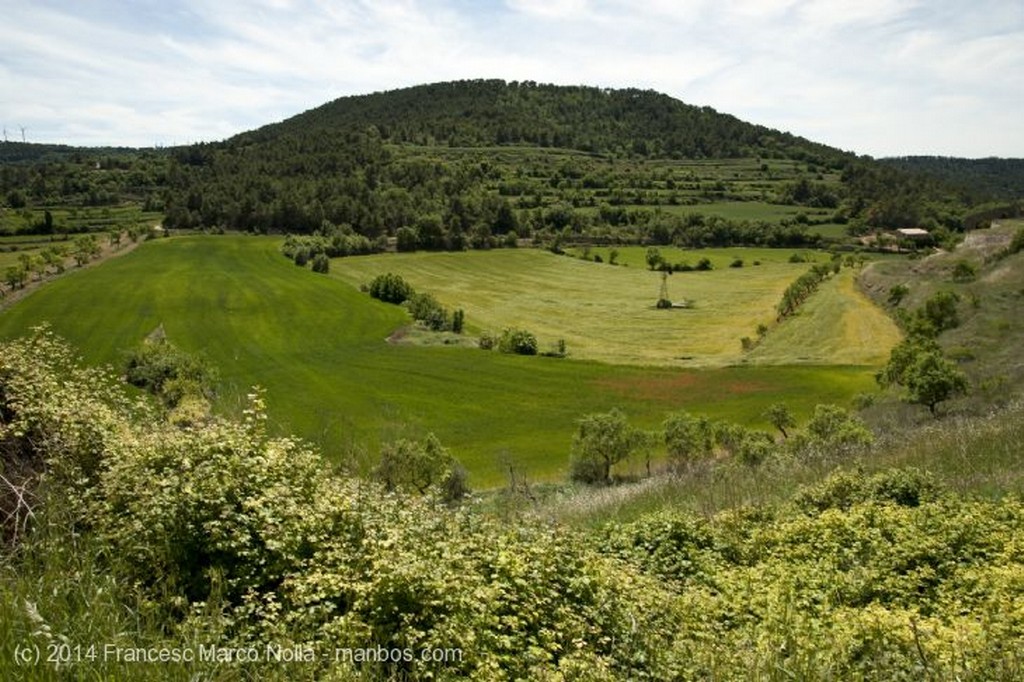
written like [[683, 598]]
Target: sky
[[876, 77]]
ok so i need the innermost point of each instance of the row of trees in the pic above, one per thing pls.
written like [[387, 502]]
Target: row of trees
[[806, 284], [424, 308], [604, 440], [51, 260], [918, 364]]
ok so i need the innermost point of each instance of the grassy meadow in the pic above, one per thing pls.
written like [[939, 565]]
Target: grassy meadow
[[317, 344], [607, 313]]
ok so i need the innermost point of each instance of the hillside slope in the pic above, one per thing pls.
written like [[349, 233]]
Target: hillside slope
[[989, 287], [493, 112]]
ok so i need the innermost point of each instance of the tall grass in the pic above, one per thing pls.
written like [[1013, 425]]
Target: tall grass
[[972, 456]]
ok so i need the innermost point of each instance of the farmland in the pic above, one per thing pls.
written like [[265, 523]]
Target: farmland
[[318, 346], [607, 313]]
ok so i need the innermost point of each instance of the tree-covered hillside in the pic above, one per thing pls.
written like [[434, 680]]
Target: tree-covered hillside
[[467, 163], [484, 163], [992, 178], [626, 122]]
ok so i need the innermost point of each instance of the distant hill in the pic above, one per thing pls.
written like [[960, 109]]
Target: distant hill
[[29, 152], [479, 162], [988, 179], [478, 113]]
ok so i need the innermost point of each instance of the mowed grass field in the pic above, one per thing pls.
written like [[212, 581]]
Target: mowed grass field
[[317, 345], [607, 313]]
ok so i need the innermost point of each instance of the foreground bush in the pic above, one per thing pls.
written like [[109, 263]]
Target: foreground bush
[[145, 534], [229, 536], [879, 577]]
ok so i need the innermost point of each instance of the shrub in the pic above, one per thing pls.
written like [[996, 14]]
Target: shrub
[[518, 342], [842, 490], [321, 263], [426, 309], [1017, 243], [487, 341], [897, 293], [938, 314], [390, 288], [831, 429], [420, 467], [754, 447], [169, 372], [964, 271]]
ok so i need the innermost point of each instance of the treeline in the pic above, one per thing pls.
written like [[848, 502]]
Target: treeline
[[806, 284], [350, 163], [33, 176], [354, 191]]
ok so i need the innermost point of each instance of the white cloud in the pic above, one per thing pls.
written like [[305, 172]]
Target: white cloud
[[877, 76], [549, 8]]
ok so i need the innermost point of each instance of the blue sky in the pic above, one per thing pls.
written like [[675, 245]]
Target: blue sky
[[878, 77]]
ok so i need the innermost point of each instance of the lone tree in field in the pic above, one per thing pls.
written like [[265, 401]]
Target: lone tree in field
[[602, 440], [918, 365], [420, 467], [688, 439], [653, 257], [780, 417], [932, 379]]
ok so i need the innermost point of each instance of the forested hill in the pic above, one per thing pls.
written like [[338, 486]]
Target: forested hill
[[484, 162], [478, 113], [994, 178]]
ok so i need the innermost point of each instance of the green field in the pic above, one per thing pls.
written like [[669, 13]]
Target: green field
[[318, 346], [607, 313]]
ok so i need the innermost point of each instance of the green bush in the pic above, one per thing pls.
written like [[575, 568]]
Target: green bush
[[1017, 243], [832, 429], [842, 490], [390, 288], [321, 263], [518, 342], [688, 439], [487, 341], [964, 271]]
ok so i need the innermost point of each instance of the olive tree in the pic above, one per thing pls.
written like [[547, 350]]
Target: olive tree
[[688, 438], [602, 440]]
